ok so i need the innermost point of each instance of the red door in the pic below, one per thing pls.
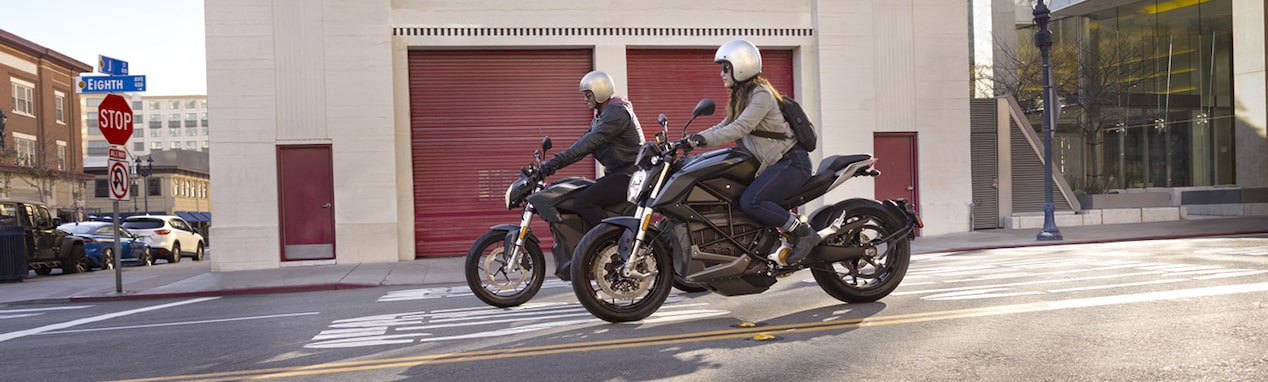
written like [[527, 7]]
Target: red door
[[306, 202], [896, 159], [476, 116]]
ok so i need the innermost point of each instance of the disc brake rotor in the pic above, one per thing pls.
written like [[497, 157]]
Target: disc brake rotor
[[606, 272], [500, 275]]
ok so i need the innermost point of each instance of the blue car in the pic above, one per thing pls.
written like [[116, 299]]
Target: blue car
[[99, 243]]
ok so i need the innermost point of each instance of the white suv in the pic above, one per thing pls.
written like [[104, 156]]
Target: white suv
[[169, 236]]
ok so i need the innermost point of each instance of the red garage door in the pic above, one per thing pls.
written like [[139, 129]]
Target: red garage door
[[476, 117], [672, 81]]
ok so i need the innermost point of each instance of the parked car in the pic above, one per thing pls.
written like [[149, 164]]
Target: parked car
[[170, 237], [99, 243], [46, 246]]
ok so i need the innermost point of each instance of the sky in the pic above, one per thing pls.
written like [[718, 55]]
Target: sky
[[160, 39]]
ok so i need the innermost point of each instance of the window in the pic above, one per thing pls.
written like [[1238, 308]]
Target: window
[[92, 124], [138, 118], [155, 131], [191, 104], [138, 133], [61, 155], [174, 104], [59, 104], [94, 102], [174, 132], [191, 132], [136, 106], [204, 104], [23, 100], [138, 146], [156, 145], [204, 121], [155, 105], [98, 148], [176, 145], [25, 147], [206, 144], [191, 145], [101, 188], [156, 121], [205, 132], [173, 120], [153, 186], [191, 119]]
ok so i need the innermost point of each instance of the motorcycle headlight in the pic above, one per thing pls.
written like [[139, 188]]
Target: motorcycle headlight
[[637, 182], [516, 193]]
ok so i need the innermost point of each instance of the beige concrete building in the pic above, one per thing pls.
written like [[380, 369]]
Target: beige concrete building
[[372, 131]]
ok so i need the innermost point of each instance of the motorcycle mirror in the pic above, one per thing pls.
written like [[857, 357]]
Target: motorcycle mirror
[[546, 143], [663, 121], [705, 107]]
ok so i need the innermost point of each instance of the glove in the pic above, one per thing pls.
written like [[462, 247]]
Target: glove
[[693, 141], [549, 167]]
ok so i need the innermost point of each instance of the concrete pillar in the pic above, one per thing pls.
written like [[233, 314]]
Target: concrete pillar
[[1250, 92]]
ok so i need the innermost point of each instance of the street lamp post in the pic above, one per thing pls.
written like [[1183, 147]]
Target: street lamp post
[[1043, 40], [145, 172], [134, 198]]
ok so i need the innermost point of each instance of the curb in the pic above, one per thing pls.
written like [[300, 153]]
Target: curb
[[1097, 241], [205, 293]]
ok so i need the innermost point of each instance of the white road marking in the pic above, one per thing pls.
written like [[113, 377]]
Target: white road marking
[[45, 309], [63, 325], [183, 323]]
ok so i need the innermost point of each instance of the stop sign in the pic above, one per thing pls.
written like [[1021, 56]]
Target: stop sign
[[114, 119]]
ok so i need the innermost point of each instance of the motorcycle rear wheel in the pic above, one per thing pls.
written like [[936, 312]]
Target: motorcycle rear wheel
[[599, 286], [497, 283], [869, 278]]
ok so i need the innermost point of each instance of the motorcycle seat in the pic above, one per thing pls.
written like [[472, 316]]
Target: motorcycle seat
[[823, 178]]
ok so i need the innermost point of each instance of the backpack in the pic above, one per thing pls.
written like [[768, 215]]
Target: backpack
[[803, 131]]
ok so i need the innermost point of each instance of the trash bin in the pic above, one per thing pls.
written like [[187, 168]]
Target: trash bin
[[13, 267]]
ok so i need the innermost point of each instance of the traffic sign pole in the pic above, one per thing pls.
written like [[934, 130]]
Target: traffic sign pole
[[118, 248]]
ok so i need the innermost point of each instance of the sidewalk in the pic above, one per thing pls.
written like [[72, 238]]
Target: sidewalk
[[189, 278]]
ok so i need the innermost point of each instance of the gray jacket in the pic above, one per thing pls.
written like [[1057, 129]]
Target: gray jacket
[[761, 114]]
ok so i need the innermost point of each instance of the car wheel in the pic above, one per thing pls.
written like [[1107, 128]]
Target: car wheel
[[107, 259], [198, 253], [146, 258], [175, 256], [76, 262]]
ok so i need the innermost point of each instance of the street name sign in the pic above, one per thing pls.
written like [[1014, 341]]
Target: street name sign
[[110, 84], [111, 66]]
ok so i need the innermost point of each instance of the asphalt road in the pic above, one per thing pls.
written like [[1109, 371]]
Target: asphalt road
[[1181, 310]]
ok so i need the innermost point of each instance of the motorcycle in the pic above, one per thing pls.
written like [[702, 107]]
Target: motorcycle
[[622, 269], [505, 267]]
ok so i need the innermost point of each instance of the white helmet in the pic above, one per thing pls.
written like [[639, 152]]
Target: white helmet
[[745, 59], [600, 84]]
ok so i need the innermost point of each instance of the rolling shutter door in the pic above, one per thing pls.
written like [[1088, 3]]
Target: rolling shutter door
[[672, 81], [475, 118]]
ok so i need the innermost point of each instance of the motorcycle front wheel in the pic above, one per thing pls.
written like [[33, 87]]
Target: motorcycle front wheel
[[494, 280], [600, 286], [868, 278]]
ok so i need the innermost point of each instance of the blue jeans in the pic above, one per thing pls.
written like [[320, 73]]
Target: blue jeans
[[760, 200]]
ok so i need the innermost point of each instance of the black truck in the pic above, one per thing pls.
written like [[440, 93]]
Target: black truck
[[46, 246]]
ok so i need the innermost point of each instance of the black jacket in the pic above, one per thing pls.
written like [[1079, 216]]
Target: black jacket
[[614, 137]]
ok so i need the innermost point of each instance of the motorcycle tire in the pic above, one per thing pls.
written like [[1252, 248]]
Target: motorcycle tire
[[493, 282], [600, 288], [870, 278], [687, 286]]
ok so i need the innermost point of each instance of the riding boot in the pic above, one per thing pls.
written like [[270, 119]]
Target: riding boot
[[804, 239]]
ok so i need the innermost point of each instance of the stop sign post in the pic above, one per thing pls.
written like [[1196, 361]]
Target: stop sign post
[[114, 119]]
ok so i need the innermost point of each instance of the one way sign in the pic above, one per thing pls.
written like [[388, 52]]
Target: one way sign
[[119, 180]]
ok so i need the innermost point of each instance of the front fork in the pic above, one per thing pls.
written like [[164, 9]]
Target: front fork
[[515, 249], [637, 255]]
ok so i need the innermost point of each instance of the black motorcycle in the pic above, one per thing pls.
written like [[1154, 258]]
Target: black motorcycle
[[506, 267], [622, 270]]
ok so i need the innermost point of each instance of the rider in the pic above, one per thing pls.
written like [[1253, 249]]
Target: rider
[[783, 165], [613, 138]]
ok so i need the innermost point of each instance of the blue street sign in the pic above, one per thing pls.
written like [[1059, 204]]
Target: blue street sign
[[110, 84], [114, 67]]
